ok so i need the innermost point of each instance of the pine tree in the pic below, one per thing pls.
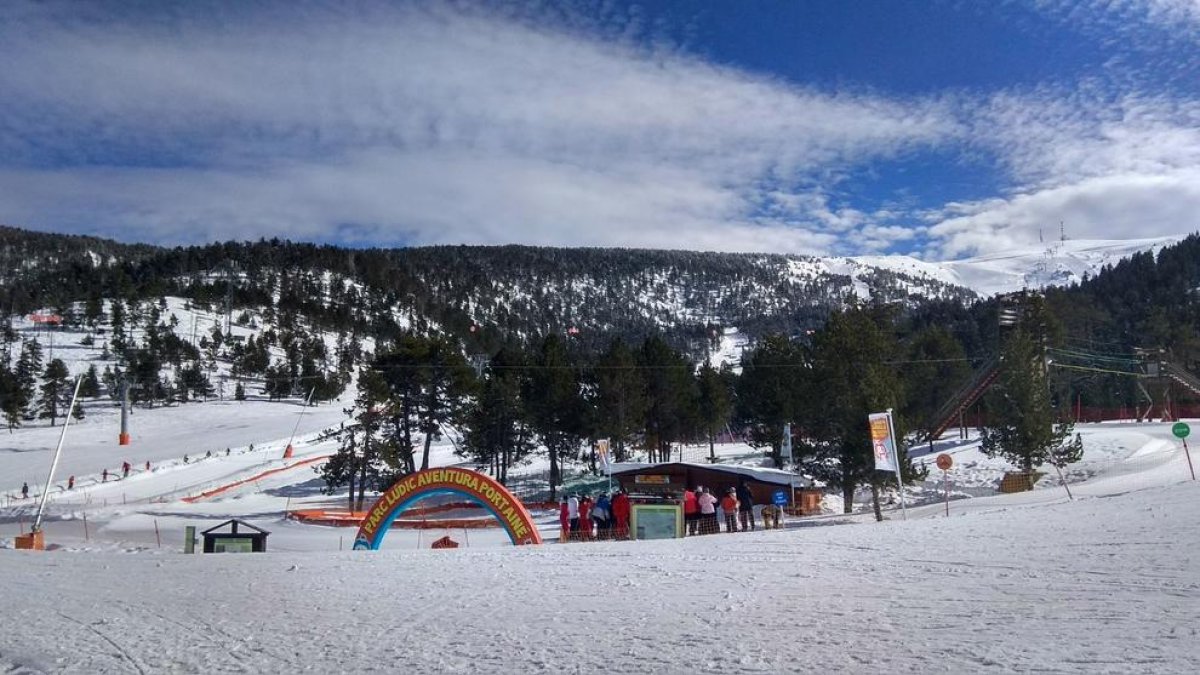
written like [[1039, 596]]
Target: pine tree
[[12, 401], [54, 387], [671, 397], [117, 321], [29, 366], [555, 406], [715, 402], [1022, 428], [90, 387], [239, 392], [851, 379], [497, 431], [770, 392], [619, 400]]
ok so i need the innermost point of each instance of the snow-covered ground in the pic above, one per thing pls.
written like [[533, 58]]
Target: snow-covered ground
[[1108, 582]]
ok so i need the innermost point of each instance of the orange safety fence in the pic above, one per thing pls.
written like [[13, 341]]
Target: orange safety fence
[[225, 488]]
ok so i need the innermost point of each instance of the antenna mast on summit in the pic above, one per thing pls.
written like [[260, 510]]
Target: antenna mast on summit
[[1062, 231]]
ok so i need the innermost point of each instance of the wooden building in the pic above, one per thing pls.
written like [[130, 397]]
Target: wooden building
[[671, 479]]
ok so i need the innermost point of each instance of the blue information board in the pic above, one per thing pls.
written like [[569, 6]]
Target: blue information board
[[779, 498]]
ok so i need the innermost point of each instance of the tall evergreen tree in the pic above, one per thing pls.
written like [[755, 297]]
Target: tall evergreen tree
[[1022, 428], [671, 397], [498, 433], [620, 400], [851, 378], [554, 403], [715, 402], [770, 392], [54, 387], [29, 367]]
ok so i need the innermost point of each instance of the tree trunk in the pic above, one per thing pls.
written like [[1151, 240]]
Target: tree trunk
[[350, 499], [712, 452], [425, 454], [554, 477], [848, 497]]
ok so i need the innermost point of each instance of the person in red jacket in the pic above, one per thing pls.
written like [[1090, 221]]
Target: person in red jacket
[[691, 511], [729, 506], [585, 517], [564, 518], [620, 508]]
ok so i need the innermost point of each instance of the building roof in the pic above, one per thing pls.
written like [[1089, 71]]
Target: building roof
[[758, 473], [233, 524]]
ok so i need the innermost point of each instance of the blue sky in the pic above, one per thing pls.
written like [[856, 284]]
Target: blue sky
[[937, 129]]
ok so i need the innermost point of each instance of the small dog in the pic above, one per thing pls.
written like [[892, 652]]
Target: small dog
[[771, 517]]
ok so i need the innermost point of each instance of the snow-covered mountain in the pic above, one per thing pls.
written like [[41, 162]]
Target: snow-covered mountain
[[1056, 264]]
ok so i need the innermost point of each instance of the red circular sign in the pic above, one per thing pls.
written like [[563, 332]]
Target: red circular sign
[[944, 462]]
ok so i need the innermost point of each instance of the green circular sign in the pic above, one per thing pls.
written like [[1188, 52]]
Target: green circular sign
[[1181, 430]]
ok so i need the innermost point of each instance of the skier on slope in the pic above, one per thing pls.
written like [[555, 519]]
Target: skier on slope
[[125, 469], [24, 490], [71, 483]]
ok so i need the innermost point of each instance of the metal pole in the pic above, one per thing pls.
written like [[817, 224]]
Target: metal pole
[[1189, 458], [896, 459], [946, 485], [37, 522]]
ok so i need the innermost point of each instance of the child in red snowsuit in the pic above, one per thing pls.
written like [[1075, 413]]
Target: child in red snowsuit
[[564, 517], [585, 517], [729, 505]]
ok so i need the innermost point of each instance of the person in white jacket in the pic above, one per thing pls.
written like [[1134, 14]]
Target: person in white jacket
[[708, 512], [573, 513]]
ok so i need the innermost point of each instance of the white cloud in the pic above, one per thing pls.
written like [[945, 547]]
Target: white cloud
[[426, 123], [1105, 168], [423, 125]]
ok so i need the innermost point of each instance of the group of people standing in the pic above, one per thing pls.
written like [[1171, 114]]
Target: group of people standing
[[583, 519], [700, 510]]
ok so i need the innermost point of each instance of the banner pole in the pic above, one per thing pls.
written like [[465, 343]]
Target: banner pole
[[896, 461]]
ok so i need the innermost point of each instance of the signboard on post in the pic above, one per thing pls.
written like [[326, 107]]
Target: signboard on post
[[882, 444], [1181, 431], [779, 498]]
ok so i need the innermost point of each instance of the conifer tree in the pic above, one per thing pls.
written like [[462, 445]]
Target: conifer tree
[[715, 402], [54, 386], [671, 397], [770, 392], [555, 406], [90, 387], [497, 429], [1022, 428], [29, 366], [619, 400], [851, 378]]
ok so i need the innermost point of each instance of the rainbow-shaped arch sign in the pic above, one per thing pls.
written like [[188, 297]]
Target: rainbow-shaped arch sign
[[470, 484]]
